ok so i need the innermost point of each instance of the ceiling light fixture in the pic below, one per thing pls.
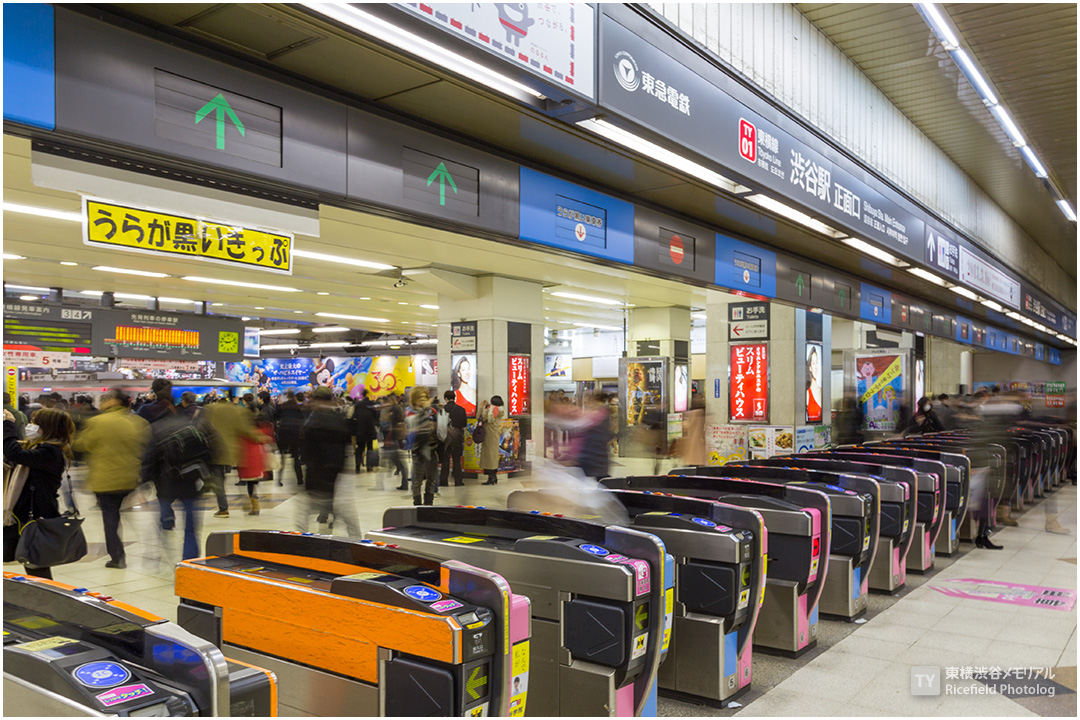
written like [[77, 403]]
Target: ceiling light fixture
[[699, 316], [322, 293], [129, 271], [237, 283], [178, 301], [361, 318], [797, 215], [33, 288], [1067, 209], [968, 67], [964, 292], [281, 331], [216, 304], [874, 252], [369, 24], [928, 276], [1008, 125], [69, 263], [656, 152], [342, 260], [9, 256], [597, 327], [585, 298], [993, 306], [1033, 162], [29, 297], [330, 344], [430, 307], [330, 329], [43, 212]]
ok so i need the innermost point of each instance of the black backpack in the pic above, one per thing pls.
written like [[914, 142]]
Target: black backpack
[[185, 456]]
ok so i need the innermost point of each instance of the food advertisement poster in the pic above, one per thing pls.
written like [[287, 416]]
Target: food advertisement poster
[[813, 383], [463, 381], [381, 375], [879, 388], [749, 386], [724, 444], [768, 440]]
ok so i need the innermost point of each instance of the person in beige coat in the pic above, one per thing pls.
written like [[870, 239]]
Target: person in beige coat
[[114, 441], [230, 423], [492, 415]]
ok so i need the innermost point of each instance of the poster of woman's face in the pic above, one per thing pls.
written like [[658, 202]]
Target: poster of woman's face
[[682, 389], [463, 382], [813, 383]]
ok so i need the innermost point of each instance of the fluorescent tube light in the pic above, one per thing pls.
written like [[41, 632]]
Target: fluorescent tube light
[[1014, 315], [330, 329], [8, 256], [43, 212], [29, 297], [585, 298], [1033, 161], [792, 214], [342, 260], [1008, 125], [330, 344], [656, 152], [430, 307], [1067, 209], [351, 317], [699, 316], [282, 331], [597, 327], [128, 271], [928, 276], [69, 263], [33, 288], [964, 292], [426, 50], [237, 283], [993, 305], [132, 296], [1066, 338], [287, 346], [178, 300], [972, 72], [874, 252], [939, 25]]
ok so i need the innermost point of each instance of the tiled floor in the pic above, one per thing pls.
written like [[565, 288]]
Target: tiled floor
[[859, 670]]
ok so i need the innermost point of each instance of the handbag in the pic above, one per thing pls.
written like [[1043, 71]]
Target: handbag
[[478, 433], [271, 460], [47, 542], [372, 457]]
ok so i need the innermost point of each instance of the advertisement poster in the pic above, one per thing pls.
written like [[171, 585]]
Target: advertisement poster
[[251, 342], [725, 443], [682, 387], [558, 367], [1055, 394], [879, 386], [518, 402], [920, 379], [748, 399], [427, 370], [169, 369], [463, 381], [382, 375], [509, 447], [822, 436], [674, 428], [644, 391], [768, 440], [804, 439], [813, 382]]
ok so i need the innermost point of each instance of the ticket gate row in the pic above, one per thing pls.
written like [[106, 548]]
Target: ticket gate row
[[601, 598], [719, 554], [76, 653], [798, 522], [355, 628]]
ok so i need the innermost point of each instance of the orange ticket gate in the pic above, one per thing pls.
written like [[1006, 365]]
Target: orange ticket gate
[[358, 628], [72, 652]]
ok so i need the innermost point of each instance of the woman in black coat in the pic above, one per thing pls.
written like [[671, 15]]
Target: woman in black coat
[[46, 457]]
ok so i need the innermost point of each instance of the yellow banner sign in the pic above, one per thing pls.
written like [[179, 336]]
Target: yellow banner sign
[[159, 233], [886, 377]]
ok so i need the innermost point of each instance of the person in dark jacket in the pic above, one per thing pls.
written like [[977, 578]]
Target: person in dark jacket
[[290, 418], [365, 430], [46, 457], [593, 457], [162, 406], [322, 447], [178, 458], [454, 447], [925, 420]]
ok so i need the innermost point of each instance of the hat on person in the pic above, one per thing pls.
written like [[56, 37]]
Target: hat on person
[[322, 393]]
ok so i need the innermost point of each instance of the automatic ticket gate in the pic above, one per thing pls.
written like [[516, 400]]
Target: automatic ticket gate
[[73, 653], [358, 629], [930, 515], [798, 521], [957, 484], [856, 517], [598, 598], [719, 553], [896, 529]]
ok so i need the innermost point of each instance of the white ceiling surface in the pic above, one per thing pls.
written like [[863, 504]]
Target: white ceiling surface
[[46, 242]]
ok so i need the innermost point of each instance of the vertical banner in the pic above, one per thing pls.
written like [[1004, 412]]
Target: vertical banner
[[681, 387], [11, 383], [519, 385], [748, 399], [463, 380], [879, 390], [813, 383]]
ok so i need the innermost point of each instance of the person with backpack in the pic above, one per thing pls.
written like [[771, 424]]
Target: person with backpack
[[450, 429], [322, 446], [421, 428], [178, 460]]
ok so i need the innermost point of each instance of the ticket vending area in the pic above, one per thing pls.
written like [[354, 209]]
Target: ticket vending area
[[75, 653], [856, 517], [719, 553], [798, 521], [358, 629], [930, 515], [598, 598], [888, 572]]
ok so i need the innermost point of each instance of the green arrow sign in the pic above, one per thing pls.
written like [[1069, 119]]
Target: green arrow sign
[[473, 683], [800, 284], [443, 176], [641, 617], [843, 297], [221, 106]]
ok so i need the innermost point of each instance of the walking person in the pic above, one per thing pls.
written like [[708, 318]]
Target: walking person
[[491, 414], [421, 427], [322, 446], [46, 457], [454, 444], [252, 467], [290, 418], [115, 443], [392, 424], [178, 459], [366, 433], [230, 423]]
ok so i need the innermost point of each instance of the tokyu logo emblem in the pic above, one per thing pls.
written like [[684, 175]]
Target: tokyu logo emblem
[[626, 71]]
